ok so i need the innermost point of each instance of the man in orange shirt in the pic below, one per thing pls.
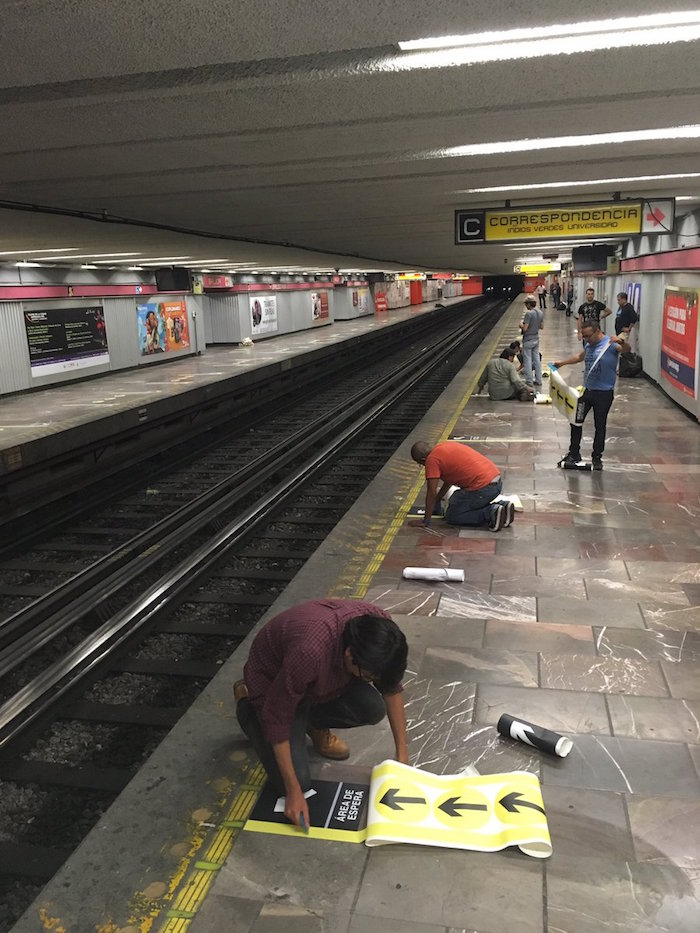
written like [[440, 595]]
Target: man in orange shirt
[[478, 479]]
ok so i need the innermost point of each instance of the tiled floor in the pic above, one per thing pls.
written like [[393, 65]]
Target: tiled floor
[[584, 616]]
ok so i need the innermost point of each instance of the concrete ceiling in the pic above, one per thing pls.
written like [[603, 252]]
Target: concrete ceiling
[[294, 123]]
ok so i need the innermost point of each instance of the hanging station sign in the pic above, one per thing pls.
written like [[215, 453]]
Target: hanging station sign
[[560, 222]]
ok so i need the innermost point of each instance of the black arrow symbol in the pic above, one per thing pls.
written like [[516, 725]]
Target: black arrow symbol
[[511, 802], [391, 800], [452, 808]]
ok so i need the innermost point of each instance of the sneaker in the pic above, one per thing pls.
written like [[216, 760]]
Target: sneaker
[[510, 514], [597, 463], [240, 691], [498, 517], [328, 744]]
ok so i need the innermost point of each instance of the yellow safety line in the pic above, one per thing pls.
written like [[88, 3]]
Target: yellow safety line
[[365, 580]]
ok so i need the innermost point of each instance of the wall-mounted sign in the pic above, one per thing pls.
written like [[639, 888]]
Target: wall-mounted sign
[[575, 221], [536, 268], [319, 307], [679, 334], [65, 339]]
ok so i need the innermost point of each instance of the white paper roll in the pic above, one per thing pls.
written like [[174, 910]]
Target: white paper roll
[[434, 573]]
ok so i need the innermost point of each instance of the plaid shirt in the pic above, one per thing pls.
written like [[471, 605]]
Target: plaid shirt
[[298, 655]]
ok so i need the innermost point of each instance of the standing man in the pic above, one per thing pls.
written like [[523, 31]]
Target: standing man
[[600, 369], [327, 663], [591, 311], [542, 296], [555, 292], [625, 316], [503, 379], [478, 479], [569, 297], [533, 323]]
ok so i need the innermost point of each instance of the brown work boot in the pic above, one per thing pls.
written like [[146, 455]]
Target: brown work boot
[[328, 744], [240, 691]]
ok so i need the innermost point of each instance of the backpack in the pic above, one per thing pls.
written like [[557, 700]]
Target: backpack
[[561, 306], [630, 365]]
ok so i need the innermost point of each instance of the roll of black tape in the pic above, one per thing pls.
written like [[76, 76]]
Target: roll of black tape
[[536, 736]]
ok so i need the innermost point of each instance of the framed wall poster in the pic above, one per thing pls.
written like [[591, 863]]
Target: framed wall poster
[[263, 314], [679, 333], [65, 339]]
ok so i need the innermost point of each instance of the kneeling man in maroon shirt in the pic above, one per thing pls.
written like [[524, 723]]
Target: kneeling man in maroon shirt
[[324, 664]]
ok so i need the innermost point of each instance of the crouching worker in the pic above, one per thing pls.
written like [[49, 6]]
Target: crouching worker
[[322, 665], [478, 479], [503, 380]]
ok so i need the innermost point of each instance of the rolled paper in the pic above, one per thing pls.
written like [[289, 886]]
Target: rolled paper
[[439, 574], [536, 736]]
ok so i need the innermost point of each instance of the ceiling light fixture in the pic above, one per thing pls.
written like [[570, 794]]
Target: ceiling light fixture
[[32, 252], [665, 133], [579, 184], [536, 41]]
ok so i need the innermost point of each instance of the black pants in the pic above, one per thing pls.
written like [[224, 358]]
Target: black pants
[[543, 303], [600, 401], [360, 705]]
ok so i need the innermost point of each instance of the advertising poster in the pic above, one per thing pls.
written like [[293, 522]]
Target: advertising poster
[[163, 326], [263, 314], [319, 307], [679, 331], [380, 301], [65, 339], [360, 300]]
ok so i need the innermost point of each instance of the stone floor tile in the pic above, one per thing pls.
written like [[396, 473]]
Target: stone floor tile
[[539, 636], [641, 717], [671, 572], [480, 665], [312, 874], [439, 719], [506, 608], [647, 644], [424, 631], [233, 914], [683, 679], [564, 611], [652, 594], [666, 829], [573, 567], [399, 558], [591, 823], [361, 923], [468, 890], [692, 591], [537, 586], [559, 710], [406, 602], [606, 763], [630, 552], [573, 504], [290, 918], [481, 567], [602, 675], [678, 620], [591, 895]]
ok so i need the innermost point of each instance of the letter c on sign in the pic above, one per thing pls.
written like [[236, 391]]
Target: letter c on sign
[[471, 226]]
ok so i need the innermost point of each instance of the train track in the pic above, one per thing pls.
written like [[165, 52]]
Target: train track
[[96, 670]]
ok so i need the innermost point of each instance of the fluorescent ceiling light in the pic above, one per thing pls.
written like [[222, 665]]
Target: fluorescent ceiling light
[[155, 259], [688, 197], [87, 265], [579, 184], [134, 269], [25, 264], [32, 252], [88, 256], [541, 41], [562, 142]]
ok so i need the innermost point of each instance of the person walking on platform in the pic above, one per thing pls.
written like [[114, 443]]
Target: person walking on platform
[[324, 664], [533, 323], [503, 380], [591, 311], [542, 296], [600, 369], [478, 481]]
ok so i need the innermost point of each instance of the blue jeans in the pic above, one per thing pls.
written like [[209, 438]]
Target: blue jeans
[[473, 506], [531, 360]]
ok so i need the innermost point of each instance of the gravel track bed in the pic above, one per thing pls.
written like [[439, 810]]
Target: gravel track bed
[[72, 742], [125, 689], [15, 895], [47, 578], [171, 646], [48, 816], [217, 614], [13, 604]]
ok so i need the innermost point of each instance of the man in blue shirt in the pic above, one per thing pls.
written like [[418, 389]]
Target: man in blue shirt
[[600, 370]]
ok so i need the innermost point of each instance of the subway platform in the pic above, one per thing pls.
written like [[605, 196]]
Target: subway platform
[[583, 616]]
